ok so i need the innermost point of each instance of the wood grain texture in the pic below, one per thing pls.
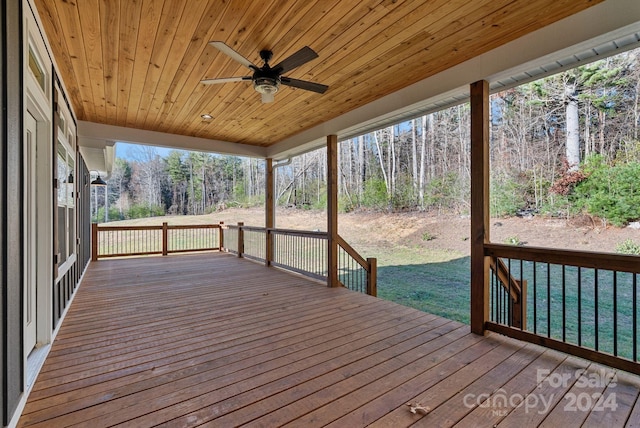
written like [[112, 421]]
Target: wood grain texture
[[138, 63], [479, 205], [212, 339]]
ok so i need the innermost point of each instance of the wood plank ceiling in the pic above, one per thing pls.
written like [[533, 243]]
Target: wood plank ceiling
[[138, 63]]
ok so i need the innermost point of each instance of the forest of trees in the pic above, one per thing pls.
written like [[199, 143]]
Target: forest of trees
[[563, 145]]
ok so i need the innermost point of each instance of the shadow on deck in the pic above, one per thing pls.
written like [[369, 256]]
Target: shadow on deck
[[213, 339]]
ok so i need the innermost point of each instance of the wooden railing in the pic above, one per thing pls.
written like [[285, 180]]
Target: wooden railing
[[573, 301], [121, 241], [354, 272], [303, 252], [512, 294], [298, 251]]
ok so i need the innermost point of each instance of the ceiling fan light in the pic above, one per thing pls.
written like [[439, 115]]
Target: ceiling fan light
[[266, 85], [267, 98]]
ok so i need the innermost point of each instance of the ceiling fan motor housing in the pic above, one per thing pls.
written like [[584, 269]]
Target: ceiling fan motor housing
[[266, 80]]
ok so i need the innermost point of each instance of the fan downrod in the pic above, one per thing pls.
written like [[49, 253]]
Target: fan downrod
[[266, 55]]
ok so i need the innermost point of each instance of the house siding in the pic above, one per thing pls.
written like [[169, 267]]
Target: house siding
[[12, 108], [11, 209]]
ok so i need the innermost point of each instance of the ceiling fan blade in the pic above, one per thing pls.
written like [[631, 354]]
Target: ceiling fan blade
[[303, 84], [303, 56], [227, 50], [224, 80]]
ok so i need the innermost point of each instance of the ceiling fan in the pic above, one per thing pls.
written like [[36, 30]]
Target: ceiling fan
[[266, 79]]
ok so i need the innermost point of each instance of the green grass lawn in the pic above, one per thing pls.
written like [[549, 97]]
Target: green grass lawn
[[433, 281]]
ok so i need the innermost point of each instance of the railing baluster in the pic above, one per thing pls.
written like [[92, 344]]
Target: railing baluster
[[615, 313], [595, 308], [564, 303], [548, 300], [499, 303], [535, 298], [350, 272], [509, 299], [579, 306], [501, 311], [522, 297], [492, 293], [635, 316], [499, 293], [299, 249]]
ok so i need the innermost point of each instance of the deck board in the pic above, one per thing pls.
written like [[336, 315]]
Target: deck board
[[211, 339]]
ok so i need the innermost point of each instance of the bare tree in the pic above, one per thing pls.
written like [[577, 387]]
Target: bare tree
[[573, 125]]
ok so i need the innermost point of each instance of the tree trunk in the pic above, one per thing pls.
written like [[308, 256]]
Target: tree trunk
[[392, 158], [414, 156], [636, 111], [381, 159], [602, 121], [423, 148], [192, 195], [431, 159], [361, 169], [573, 127]]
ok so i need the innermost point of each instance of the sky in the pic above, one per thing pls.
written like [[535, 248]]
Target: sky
[[128, 150]]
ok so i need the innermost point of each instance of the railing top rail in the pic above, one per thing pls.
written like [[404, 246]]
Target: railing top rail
[[295, 232], [588, 259], [353, 253], [292, 232], [189, 226], [254, 228], [112, 228], [195, 226]]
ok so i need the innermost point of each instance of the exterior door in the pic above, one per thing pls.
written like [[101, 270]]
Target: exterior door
[[30, 173]]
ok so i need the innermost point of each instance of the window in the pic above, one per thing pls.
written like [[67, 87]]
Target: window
[[65, 171], [37, 70]]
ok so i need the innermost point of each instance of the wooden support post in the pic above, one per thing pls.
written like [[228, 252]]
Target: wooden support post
[[372, 277], [479, 205], [94, 242], [269, 210], [165, 238], [240, 239], [221, 234], [332, 210]]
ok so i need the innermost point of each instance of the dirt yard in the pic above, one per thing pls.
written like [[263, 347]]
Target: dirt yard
[[371, 230]]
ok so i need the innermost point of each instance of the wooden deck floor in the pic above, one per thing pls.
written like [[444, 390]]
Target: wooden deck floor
[[213, 340]]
